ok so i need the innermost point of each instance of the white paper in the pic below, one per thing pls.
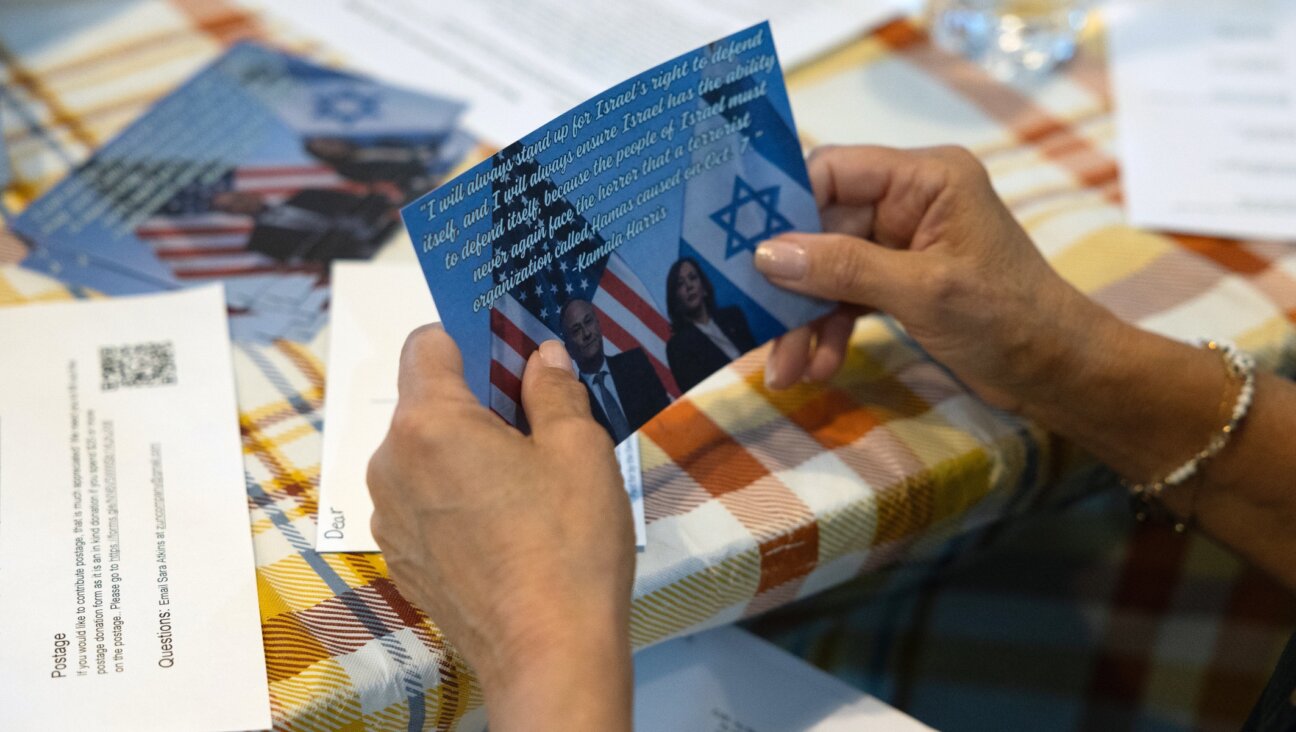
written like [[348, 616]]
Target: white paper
[[1206, 111], [520, 63], [727, 680], [627, 455], [374, 307], [130, 596]]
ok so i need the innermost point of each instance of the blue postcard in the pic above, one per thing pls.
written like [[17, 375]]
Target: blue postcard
[[5, 169], [4, 156], [258, 172], [626, 228]]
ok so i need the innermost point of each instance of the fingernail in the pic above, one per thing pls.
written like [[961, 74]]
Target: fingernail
[[554, 355], [770, 375], [782, 259]]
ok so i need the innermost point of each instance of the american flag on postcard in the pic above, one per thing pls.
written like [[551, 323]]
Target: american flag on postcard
[[199, 243], [530, 312]]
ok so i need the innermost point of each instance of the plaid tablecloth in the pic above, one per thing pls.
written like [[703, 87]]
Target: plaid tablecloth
[[754, 499]]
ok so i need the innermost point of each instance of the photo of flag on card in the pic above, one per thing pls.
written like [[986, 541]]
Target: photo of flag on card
[[626, 228]]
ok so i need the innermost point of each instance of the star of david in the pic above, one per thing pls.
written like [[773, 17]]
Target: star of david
[[750, 218], [347, 106]]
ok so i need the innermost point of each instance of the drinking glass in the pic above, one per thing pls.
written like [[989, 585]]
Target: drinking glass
[[1012, 39]]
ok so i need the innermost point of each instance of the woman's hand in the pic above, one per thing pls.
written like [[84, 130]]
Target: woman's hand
[[922, 236], [520, 548]]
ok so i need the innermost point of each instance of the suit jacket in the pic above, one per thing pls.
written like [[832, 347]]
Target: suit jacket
[[693, 356], [640, 391], [392, 161], [288, 244]]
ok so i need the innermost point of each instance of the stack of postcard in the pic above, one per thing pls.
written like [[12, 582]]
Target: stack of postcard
[[258, 172]]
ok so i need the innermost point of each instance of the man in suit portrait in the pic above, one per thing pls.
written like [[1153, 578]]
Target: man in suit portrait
[[311, 225], [624, 390]]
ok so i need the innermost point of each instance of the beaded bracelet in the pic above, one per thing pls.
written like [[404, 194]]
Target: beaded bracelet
[[1241, 367]]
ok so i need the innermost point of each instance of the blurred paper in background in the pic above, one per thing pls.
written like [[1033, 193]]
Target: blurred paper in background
[[520, 62], [1206, 111]]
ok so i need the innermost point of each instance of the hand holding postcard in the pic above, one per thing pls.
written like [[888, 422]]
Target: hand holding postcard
[[373, 309], [626, 228]]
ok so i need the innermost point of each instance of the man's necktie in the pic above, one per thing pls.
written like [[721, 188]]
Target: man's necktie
[[616, 418]]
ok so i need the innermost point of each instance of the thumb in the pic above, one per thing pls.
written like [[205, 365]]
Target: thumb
[[839, 267], [551, 393], [431, 369]]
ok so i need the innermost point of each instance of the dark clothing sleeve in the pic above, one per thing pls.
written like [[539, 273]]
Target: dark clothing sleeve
[[734, 324], [693, 357], [638, 389], [1276, 711], [291, 245]]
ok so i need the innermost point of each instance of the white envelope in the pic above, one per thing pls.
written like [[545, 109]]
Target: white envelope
[[130, 598], [373, 309], [727, 679]]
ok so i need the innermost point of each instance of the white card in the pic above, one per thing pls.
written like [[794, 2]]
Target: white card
[[728, 680], [374, 307], [1205, 111], [130, 598]]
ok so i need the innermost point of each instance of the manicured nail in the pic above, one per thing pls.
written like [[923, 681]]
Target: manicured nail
[[554, 355], [782, 259]]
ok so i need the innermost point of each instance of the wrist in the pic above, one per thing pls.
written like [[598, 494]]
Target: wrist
[[568, 671], [1140, 402], [1076, 346]]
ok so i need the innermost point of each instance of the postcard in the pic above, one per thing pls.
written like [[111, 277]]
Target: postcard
[[258, 172], [5, 169], [374, 308], [1204, 111], [626, 228], [725, 680], [125, 552]]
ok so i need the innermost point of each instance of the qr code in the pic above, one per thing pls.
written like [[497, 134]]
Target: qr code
[[143, 364]]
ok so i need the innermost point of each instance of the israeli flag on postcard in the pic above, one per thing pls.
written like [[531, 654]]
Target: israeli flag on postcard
[[626, 229]]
